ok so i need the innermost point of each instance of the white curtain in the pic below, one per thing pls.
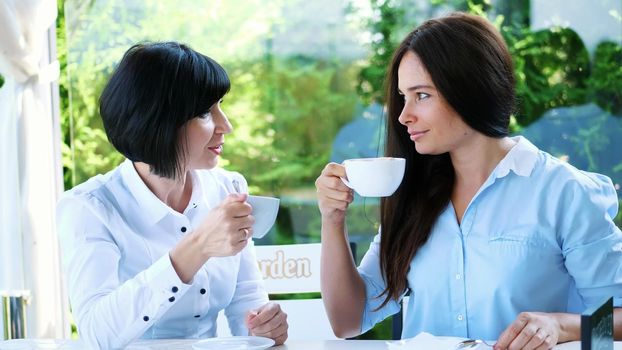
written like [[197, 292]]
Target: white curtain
[[30, 176]]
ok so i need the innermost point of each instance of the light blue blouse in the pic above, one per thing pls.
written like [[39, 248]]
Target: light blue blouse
[[538, 236]]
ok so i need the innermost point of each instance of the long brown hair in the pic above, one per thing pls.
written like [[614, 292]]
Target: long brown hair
[[471, 67]]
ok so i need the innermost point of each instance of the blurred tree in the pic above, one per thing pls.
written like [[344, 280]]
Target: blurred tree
[[296, 111], [605, 82], [551, 67], [1, 80], [515, 13], [85, 148], [385, 25]]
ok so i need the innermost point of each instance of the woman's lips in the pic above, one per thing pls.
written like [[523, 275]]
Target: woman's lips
[[414, 135], [217, 149]]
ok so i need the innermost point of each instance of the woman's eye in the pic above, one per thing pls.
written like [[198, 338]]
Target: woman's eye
[[422, 96]]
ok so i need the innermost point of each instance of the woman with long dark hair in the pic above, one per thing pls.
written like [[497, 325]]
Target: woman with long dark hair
[[493, 238], [158, 246]]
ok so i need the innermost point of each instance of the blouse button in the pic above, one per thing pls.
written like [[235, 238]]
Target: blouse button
[[175, 289], [146, 318], [183, 229], [171, 299], [202, 291]]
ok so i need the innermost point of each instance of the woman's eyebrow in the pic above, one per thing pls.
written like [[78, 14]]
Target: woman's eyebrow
[[421, 86]]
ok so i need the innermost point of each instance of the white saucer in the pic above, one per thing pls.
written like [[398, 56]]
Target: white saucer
[[230, 343]]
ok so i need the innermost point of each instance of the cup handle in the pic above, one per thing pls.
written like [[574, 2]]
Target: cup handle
[[346, 182]]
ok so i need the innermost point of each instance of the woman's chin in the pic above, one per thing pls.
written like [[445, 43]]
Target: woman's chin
[[422, 149], [427, 150], [207, 164]]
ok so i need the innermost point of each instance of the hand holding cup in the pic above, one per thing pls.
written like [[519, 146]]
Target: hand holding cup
[[332, 194], [226, 229]]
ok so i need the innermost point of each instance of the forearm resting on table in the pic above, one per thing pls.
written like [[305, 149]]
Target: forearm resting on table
[[342, 287]]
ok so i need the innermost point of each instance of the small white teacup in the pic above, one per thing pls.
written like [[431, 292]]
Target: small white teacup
[[374, 177], [264, 211]]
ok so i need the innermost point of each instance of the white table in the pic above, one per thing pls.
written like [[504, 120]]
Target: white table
[[380, 344], [186, 344]]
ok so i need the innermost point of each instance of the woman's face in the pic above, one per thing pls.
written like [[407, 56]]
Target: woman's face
[[432, 124], [205, 138]]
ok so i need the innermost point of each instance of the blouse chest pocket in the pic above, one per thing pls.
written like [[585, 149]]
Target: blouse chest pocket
[[525, 239], [527, 259]]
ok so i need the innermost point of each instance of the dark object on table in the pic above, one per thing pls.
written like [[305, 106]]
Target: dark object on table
[[597, 327]]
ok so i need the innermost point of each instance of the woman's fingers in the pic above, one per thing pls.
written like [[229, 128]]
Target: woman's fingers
[[338, 195], [334, 169], [269, 322], [335, 204]]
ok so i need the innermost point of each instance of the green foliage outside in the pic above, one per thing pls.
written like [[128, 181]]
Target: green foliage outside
[[606, 78], [386, 38], [1, 80], [286, 140]]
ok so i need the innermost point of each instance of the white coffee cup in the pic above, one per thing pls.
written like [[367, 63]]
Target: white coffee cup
[[264, 211], [374, 177]]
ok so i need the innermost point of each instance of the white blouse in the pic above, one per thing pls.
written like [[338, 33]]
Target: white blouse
[[116, 236]]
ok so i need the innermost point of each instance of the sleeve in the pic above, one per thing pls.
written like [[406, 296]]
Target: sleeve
[[591, 242], [250, 292], [109, 314], [369, 269]]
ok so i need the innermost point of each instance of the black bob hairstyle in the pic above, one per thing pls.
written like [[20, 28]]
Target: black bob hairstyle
[[156, 88]]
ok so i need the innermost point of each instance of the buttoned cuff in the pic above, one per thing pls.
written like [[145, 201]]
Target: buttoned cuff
[[165, 288], [163, 278]]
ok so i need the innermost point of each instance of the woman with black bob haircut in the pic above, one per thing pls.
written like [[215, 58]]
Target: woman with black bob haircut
[[144, 122], [158, 246], [493, 238]]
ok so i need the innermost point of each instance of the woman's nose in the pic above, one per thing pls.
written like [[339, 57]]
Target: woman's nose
[[223, 125], [407, 115]]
